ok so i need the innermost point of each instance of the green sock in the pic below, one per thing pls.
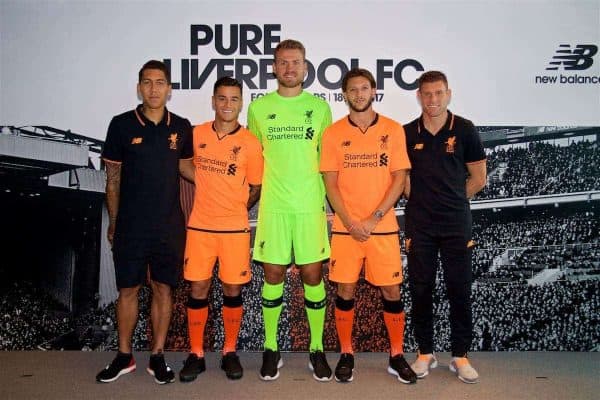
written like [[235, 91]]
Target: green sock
[[272, 300], [315, 302]]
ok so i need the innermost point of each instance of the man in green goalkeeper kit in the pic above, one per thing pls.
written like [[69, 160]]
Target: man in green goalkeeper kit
[[291, 219]]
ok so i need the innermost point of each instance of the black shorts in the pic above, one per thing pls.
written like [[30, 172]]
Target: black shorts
[[134, 259]]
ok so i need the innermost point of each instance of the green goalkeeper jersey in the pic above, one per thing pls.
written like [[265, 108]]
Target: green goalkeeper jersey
[[290, 130]]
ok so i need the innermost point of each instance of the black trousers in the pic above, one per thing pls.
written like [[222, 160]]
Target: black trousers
[[454, 249]]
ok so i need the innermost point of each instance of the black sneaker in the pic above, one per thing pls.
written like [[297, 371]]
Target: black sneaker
[[230, 363], [399, 367], [192, 367], [318, 365], [270, 366], [344, 368], [159, 369], [121, 365]]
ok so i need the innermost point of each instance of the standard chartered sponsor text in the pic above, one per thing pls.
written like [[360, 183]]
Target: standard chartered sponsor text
[[364, 160], [212, 165], [285, 132]]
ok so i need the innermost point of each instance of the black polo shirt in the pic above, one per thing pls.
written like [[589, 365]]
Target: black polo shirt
[[439, 171], [149, 154]]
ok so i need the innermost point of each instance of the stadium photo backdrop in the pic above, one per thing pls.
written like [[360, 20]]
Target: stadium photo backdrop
[[527, 73]]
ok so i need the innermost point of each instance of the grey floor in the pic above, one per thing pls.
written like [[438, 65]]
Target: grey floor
[[514, 375]]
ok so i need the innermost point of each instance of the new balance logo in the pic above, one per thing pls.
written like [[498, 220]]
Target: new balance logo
[[383, 160], [578, 59], [346, 143], [202, 145], [572, 62], [271, 116], [309, 134], [231, 169]]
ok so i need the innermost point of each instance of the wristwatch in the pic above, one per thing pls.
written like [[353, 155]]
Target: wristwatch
[[378, 214]]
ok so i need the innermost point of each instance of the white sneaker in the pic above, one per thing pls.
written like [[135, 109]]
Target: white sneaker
[[423, 363], [463, 369]]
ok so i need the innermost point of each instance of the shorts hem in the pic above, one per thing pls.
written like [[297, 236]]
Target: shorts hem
[[321, 260]]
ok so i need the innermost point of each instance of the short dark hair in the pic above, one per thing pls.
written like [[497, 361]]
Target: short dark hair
[[290, 44], [226, 81], [155, 64], [432, 76], [356, 72]]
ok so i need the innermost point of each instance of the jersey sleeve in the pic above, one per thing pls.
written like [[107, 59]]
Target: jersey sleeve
[[113, 148], [253, 124], [188, 142], [474, 151], [255, 162], [326, 121], [328, 159], [399, 154]]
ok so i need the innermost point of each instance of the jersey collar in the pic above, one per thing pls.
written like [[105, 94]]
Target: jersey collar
[[143, 120], [448, 126]]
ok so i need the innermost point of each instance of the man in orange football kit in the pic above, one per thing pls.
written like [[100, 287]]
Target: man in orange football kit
[[364, 165], [228, 173]]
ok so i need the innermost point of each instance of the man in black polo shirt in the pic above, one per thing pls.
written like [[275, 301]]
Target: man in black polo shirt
[[145, 151], [448, 168]]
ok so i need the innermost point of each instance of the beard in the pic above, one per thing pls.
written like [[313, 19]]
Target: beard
[[290, 84], [360, 109]]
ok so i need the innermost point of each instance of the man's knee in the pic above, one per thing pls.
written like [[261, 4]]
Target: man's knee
[[129, 294], [312, 274], [160, 289], [391, 292], [199, 290], [274, 274], [346, 290]]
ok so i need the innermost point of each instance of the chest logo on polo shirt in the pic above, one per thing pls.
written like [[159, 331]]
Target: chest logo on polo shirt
[[418, 146], [173, 141], [136, 140], [346, 143], [383, 142], [202, 146], [271, 116], [233, 153], [450, 143]]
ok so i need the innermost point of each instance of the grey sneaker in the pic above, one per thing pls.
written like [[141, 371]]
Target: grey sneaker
[[463, 369], [423, 363]]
